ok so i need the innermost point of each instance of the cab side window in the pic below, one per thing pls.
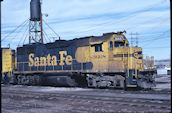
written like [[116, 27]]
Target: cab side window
[[98, 47], [111, 45]]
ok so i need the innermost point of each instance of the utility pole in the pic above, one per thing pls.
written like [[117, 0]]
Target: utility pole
[[131, 39], [136, 39]]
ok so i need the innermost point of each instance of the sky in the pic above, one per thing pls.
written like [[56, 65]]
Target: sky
[[149, 19]]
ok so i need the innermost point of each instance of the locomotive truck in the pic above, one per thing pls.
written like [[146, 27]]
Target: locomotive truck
[[96, 61]]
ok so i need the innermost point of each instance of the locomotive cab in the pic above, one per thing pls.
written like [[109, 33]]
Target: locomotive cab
[[132, 61]]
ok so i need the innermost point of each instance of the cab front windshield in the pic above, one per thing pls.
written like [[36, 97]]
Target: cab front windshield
[[119, 44]]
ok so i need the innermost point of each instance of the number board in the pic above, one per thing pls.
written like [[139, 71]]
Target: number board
[[118, 39]]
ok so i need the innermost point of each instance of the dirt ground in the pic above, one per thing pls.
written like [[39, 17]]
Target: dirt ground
[[39, 99]]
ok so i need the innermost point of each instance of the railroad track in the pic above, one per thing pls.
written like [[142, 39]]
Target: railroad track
[[157, 104]]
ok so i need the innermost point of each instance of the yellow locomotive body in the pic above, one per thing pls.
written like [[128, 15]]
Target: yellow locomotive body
[[110, 54], [113, 54], [8, 64]]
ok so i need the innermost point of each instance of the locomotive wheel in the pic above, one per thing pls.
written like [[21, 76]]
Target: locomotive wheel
[[19, 78]]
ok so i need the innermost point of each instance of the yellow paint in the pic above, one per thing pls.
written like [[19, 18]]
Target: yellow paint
[[31, 62], [131, 85], [105, 61], [136, 70], [50, 60], [99, 59], [62, 58], [8, 61], [69, 60], [82, 54], [128, 62]]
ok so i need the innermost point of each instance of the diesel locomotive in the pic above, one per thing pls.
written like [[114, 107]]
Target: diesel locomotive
[[96, 61], [8, 64]]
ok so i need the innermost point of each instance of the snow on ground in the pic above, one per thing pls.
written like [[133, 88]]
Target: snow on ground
[[54, 89], [63, 89], [163, 82], [163, 86], [163, 78]]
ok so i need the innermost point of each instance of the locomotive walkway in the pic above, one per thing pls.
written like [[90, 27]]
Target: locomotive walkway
[[31, 99]]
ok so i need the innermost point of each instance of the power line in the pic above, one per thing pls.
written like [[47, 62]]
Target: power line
[[25, 38], [157, 47], [19, 31], [15, 29], [23, 35], [51, 29], [149, 34], [153, 40], [46, 35], [125, 18], [140, 24]]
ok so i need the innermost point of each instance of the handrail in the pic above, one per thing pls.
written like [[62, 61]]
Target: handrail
[[29, 68]]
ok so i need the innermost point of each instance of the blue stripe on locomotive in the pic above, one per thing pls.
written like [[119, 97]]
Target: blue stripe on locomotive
[[42, 50]]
